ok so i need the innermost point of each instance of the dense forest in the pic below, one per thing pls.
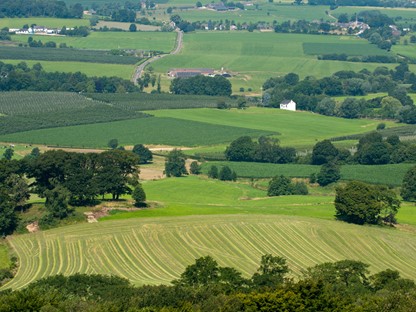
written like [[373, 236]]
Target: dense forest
[[345, 285], [47, 8]]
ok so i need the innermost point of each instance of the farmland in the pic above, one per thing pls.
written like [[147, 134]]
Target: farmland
[[156, 250], [384, 174], [255, 57], [44, 21], [154, 41], [65, 55]]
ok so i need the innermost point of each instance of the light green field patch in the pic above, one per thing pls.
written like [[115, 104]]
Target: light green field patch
[[90, 69], [4, 256], [49, 22], [155, 41], [297, 128], [157, 250]]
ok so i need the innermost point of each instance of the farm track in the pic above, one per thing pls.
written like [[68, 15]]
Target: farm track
[[178, 46], [156, 250]]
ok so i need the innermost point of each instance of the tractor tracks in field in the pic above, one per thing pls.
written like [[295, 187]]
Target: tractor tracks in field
[[140, 68]]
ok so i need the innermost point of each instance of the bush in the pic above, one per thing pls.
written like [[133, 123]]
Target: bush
[[139, 195], [195, 168], [328, 174]]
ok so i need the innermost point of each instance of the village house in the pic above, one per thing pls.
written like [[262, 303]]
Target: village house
[[288, 105], [190, 72]]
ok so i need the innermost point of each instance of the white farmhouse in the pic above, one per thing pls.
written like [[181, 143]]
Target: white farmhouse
[[288, 105]]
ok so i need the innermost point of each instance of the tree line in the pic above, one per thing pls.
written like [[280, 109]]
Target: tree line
[[205, 286], [22, 77], [46, 8], [201, 85], [314, 94]]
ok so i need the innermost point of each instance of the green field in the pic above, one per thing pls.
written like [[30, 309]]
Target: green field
[[297, 129], [42, 21], [255, 57], [153, 251], [155, 41], [359, 48], [129, 132], [90, 69], [65, 55], [384, 174], [196, 127]]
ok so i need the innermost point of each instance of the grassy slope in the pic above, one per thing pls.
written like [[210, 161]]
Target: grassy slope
[[156, 250], [258, 56], [296, 128]]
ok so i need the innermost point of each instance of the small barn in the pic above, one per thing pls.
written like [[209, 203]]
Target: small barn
[[288, 105]]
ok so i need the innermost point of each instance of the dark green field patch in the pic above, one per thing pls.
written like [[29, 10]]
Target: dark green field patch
[[65, 55], [146, 101], [154, 130], [350, 49]]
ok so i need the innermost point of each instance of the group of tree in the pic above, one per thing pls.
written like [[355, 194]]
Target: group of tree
[[22, 77], [281, 185], [266, 149], [175, 164], [45, 8], [206, 286], [224, 174], [65, 179], [201, 85], [371, 3], [315, 94]]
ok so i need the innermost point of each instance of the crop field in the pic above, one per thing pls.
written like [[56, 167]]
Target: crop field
[[156, 250], [406, 50], [358, 48], [255, 57], [36, 110], [155, 41], [383, 174], [42, 21], [297, 129], [145, 101], [169, 131], [65, 55]]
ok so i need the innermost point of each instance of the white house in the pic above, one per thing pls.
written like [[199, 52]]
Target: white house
[[288, 105]]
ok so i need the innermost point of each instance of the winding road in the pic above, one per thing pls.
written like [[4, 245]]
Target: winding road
[[178, 46]]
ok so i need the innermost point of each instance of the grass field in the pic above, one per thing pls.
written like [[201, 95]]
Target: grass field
[[90, 69], [153, 251], [42, 21], [384, 174], [155, 41], [359, 48], [255, 57], [129, 132], [296, 128]]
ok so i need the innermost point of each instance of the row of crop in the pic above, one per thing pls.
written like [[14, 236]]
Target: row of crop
[[65, 55], [145, 101], [154, 253], [97, 113], [382, 174], [28, 103]]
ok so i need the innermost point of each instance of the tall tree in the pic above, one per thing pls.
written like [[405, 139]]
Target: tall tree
[[408, 191], [175, 164], [324, 152], [143, 152]]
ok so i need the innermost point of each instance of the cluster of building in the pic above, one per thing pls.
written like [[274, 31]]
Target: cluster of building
[[192, 72], [36, 30]]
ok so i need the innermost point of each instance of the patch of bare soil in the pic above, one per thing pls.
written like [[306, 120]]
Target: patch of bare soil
[[33, 227], [151, 174]]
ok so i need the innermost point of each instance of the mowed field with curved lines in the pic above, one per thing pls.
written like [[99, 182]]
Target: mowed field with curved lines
[[156, 250]]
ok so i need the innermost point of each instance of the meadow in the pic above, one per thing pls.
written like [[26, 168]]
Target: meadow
[[384, 174], [252, 58], [232, 222], [359, 48], [153, 41], [65, 55], [89, 69]]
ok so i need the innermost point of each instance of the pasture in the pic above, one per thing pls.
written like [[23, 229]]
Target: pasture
[[154, 41], [383, 174], [299, 129], [49, 22], [255, 57], [156, 250]]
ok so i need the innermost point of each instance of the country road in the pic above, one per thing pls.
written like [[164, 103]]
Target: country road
[[178, 46]]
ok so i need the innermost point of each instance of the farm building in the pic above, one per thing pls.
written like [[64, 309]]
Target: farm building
[[288, 105], [189, 72]]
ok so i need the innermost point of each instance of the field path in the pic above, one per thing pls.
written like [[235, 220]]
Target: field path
[[178, 46], [157, 250]]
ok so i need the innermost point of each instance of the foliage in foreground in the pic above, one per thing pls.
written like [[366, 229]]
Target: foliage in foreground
[[205, 286]]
